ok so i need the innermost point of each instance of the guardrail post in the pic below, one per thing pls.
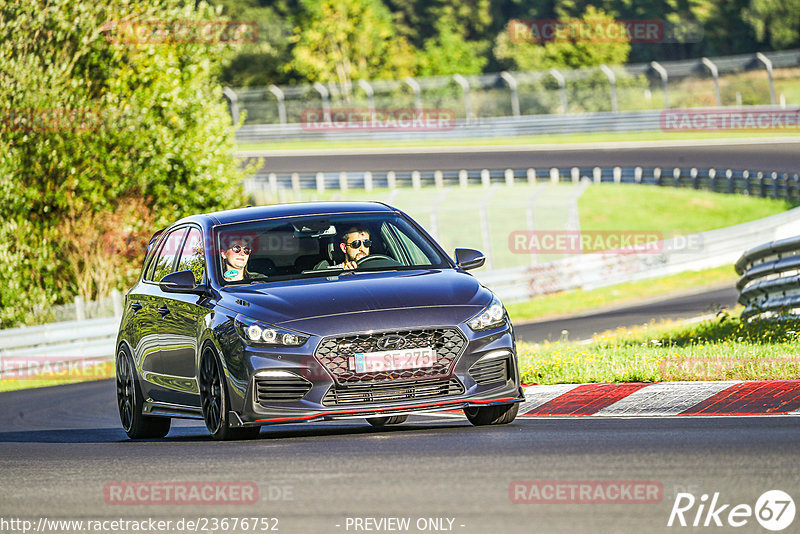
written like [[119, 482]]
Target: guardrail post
[[575, 172], [617, 175], [275, 90], [768, 65], [746, 177], [320, 182], [325, 95], [343, 181], [512, 85], [486, 178], [597, 175], [761, 186], [368, 181], [531, 175], [731, 185], [233, 104], [391, 179], [657, 175], [416, 180], [715, 73], [712, 176], [509, 175], [695, 179], [676, 174], [637, 175], [662, 72], [463, 178], [412, 83], [296, 185], [612, 82], [562, 87], [438, 179], [554, 175], [460, 80]]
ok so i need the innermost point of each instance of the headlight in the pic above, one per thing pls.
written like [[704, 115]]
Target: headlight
[[261, 334], [492, 316]]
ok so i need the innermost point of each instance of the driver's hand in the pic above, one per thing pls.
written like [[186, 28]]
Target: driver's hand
[[350, 265]]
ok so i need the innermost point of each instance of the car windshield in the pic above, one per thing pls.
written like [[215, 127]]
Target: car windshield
[[307, 246]]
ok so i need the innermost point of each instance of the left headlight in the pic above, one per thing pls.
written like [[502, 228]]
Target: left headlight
[[491, 316], [262, 334]]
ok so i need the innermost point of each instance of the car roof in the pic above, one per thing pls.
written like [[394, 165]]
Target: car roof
[[255, 213]]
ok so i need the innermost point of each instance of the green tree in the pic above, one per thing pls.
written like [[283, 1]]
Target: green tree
[[520, 53], [345, 40], [94, 123]]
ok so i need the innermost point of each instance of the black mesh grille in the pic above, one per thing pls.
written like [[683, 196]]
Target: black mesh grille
[[334, 353], [280, 388], [489, 371], [391, 391]]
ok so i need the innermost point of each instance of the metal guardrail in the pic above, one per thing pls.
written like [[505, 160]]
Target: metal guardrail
[[770, 279]]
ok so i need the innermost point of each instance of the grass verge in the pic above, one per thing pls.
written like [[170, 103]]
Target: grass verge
[[603, 137], [580, 301], [724, 348]]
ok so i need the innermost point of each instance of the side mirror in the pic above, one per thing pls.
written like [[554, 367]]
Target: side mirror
[[181, 282], [467, 258]]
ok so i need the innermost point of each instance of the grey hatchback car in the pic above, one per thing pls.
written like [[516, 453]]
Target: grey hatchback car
[[309, 312]]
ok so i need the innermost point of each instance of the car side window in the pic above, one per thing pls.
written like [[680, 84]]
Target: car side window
[[192, 258], [164, 262]]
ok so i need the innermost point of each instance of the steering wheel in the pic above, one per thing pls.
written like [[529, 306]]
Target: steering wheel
[[374, 257]]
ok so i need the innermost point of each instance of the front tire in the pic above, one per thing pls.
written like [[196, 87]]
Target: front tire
[[215, 401], [383, 421], [502, 414], [130, 402]]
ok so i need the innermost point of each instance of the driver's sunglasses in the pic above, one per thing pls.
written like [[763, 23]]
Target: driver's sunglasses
[[356, 243], [238, 248]]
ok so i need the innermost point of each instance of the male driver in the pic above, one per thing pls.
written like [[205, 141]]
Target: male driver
[[355, 245]]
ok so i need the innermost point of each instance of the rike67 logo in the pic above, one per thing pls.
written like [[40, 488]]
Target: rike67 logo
[[774, 510]]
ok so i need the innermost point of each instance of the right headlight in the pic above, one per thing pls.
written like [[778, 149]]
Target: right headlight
[[491, 316]]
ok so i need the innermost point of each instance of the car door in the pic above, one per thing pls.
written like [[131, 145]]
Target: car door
[[180, 326]]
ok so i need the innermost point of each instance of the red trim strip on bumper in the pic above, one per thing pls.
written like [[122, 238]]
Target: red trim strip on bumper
[[383, 410]]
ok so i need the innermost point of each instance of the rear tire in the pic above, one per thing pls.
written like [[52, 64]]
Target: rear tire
[[501, 414], [130, 402], [383, 421], [215, 401]]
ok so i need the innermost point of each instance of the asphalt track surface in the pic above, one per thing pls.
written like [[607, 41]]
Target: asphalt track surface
[[781, 156], [584, 326], [60, 447]]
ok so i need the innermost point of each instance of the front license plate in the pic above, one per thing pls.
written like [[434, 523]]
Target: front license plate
[[393, 360]]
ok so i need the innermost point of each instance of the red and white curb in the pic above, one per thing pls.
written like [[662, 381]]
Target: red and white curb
[[768, 397]]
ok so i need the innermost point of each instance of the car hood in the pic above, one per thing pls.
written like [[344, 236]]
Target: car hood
[[363, 301]]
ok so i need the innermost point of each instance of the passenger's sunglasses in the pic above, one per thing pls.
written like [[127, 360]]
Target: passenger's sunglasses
[[238, 248], [356, 243]]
